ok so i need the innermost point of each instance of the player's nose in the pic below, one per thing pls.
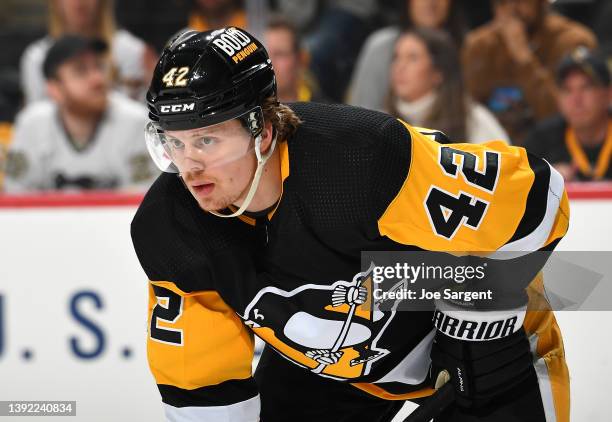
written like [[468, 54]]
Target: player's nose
[[193, 160]]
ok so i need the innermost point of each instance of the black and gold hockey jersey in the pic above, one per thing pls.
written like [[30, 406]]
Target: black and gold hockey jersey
[[198, 349], [353, 180]]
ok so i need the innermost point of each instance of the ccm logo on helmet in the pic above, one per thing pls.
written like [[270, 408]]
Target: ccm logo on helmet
[[235, 43], [177, 108]]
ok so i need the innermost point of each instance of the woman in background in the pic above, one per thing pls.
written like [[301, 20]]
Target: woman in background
[[90, 18], [427, 89], [371, 75]]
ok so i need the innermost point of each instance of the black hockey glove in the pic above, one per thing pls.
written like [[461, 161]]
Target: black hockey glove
[[483, 353]]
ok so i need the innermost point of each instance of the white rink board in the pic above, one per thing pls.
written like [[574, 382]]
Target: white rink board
[[49, 255], [52, 255]]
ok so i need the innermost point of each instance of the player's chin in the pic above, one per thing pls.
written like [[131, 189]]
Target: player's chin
[[212, 204]]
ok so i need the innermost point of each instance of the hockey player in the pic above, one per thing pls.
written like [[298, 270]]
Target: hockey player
[[264, 226]]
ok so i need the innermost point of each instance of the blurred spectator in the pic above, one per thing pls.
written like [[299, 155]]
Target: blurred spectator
[[84, 138], [153, 21], [290, 62], [214, 14], [427, 89], [10, 96], [91, 18], [337, 29], [21, 23], [302, 13], [509, 63], [371, 76], [578, 142], [10, 99], [6, 134], [603, 29]]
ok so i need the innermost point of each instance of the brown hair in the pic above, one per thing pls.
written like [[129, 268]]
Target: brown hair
[[284, 120], [455, 23], [104, 26], [449, 112]]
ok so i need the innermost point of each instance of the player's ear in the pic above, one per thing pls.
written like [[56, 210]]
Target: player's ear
[[266, 137]]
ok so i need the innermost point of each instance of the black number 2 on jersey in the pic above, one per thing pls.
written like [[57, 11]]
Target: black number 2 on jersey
[[168, 309], [448, 212]]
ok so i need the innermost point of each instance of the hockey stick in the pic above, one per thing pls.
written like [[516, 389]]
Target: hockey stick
[[434, 405]]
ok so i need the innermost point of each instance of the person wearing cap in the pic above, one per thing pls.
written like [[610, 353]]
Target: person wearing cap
[[578, 140], [509, 63], [82, 137], [128, 54]]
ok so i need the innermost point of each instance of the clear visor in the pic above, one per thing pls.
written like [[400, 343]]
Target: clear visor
[[203, 148]]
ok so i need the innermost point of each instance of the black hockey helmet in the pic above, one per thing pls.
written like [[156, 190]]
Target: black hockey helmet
[[204, 78]]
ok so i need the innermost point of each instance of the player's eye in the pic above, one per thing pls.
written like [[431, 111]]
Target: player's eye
[[175, 143], [205, 142]]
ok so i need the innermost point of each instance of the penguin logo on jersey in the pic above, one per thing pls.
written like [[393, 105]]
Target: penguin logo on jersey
[[333, 330]]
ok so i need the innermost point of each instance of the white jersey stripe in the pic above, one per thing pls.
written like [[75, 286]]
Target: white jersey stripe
[[244, 411], [536, 239], [543, 381]]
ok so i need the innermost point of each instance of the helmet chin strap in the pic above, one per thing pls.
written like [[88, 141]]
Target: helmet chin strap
[[261, 162]]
